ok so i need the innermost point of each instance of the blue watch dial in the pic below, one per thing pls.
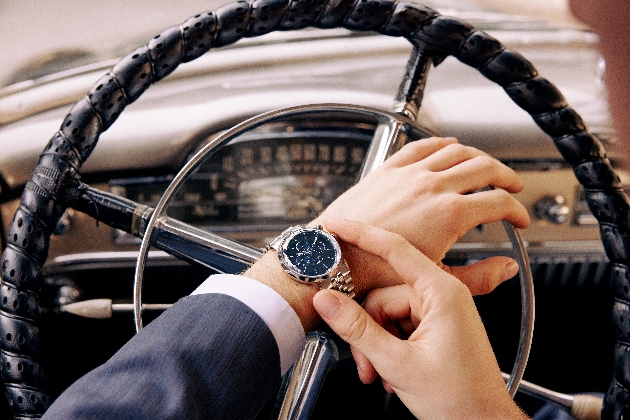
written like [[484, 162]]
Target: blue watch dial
[[312, 253]]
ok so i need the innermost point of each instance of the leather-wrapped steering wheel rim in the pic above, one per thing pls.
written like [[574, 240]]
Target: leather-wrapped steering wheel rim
[[55, 183]]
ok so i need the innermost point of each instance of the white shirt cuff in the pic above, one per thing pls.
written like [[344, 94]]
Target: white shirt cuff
[[270, 307]]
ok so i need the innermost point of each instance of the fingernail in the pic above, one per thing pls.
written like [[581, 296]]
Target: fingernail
[[327, 304], [510, 270]]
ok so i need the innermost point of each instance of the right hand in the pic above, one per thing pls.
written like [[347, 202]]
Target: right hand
[[423, 193], [446, 368]]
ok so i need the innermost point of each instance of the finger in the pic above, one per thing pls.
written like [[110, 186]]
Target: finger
[[384, 305], [365, 368], [357, 328], [387, 386], [389, 303], [494, 205], [407, 326], [405, 260], [484, 276], [482, 171], [417, 150], [449, 156]]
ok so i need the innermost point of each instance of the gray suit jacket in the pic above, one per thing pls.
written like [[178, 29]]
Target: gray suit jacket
[[208, 357]]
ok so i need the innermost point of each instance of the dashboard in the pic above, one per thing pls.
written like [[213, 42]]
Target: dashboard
[[263, 181]]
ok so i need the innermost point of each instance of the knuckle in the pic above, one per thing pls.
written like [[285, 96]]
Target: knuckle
[[460, 291], [398, 240], [432, 181], [458, 148], [453, 205], [357, 327], [414, 145], [506, 200], [486, 285], [485, 162]]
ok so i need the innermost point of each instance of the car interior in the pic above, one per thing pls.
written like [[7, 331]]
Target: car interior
[[276, 109]]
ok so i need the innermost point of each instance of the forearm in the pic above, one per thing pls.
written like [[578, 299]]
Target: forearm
[[209, 356]]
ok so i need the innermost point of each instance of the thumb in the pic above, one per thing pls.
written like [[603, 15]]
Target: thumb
[[356, 327], [484, 276]]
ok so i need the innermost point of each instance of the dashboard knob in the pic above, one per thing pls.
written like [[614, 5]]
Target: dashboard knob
[[553, 209]]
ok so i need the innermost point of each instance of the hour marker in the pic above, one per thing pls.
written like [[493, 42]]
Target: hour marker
[[339, 154], [266, 154], [309, 152], [296, 152], [282, 153], [357, 154], [324, 152]]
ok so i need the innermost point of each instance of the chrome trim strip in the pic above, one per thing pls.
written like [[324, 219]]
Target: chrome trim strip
[[122, 256]]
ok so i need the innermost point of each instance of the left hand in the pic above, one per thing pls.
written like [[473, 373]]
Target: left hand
[[446, 368]]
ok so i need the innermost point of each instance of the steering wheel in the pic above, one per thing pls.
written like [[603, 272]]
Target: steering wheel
[[56, 183]]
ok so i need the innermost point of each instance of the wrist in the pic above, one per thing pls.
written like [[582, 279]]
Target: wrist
[[368, 271], [299, 296]]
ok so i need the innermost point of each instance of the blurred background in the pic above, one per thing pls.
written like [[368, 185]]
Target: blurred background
[[49, 31]]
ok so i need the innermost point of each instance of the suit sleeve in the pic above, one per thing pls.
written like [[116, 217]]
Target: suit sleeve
[[210, 356]]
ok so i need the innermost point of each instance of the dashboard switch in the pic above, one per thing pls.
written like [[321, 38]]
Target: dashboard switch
[[553, 209]]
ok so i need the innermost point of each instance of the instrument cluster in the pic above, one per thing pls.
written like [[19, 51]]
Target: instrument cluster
[[262, 181]]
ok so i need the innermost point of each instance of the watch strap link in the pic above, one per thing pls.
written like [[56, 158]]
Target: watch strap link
[[342, 281]]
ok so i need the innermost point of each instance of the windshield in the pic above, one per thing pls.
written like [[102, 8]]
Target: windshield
[[41, 38]]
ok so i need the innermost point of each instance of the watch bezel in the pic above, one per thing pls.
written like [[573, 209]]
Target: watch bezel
[[294, 271]]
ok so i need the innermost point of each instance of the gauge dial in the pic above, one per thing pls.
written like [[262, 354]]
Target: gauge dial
[[264, 182], [272, 181]]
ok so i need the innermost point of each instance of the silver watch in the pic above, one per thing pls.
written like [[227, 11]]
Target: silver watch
[[313, 256]]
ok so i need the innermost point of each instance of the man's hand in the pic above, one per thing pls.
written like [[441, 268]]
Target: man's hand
[[426, 193], [446, 368], [421, 193]]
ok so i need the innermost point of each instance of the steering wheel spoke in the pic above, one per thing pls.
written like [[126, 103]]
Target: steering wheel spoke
[[388, 138], [199, 246]]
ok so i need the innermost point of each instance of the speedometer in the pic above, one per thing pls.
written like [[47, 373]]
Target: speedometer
[[262, 181]]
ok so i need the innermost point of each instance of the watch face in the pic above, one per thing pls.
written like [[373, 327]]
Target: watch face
[[311, 254]]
